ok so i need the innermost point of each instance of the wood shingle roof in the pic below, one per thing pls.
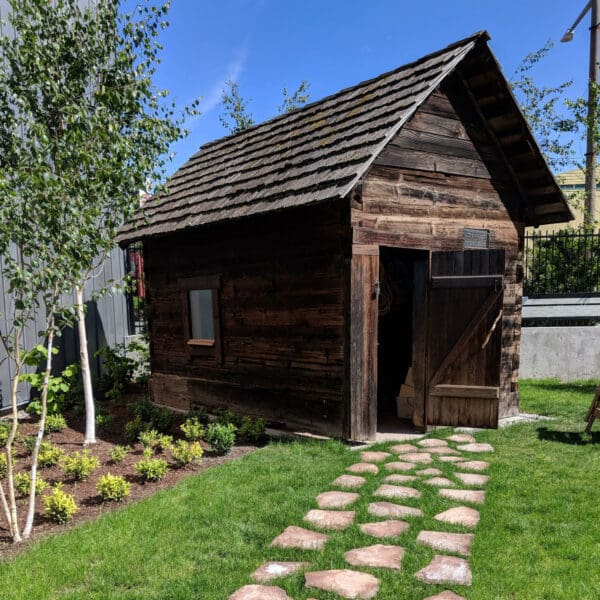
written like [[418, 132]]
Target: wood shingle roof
[[313, 154]]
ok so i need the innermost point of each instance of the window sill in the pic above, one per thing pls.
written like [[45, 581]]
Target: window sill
[[202, 343]]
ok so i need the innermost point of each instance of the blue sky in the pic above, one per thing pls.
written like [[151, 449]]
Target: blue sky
[[265, 45]]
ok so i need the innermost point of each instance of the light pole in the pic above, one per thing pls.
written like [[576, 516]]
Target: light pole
[[590, 153]]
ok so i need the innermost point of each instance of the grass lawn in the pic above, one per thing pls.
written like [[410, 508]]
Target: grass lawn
[[539, 535]]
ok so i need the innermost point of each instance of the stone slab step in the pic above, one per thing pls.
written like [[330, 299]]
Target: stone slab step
[[446, 595], [363, 467], [447, 542], [460, 515], [432, 443], [274, 569], [462, 438], [389, 509], [472, 478], [336, 499], [378, 556], [439, 482], [418, 457], [330, 519], [429, 472], [370, 456], [475, 447], [473, 496], [385, 529], [400, 466], [349, 481], [395, 478], [396, 491], [401, 448], [472, 465], [298, 537], [260, 592], [344, 582], [446, 570]]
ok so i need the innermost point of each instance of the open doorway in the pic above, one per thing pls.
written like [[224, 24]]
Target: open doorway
[[400, 293]]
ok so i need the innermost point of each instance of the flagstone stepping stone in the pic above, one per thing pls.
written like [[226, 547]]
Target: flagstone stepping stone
[[330, 519], [396, 491], [439, 481], [395, 478], [472, 478], [401, 448], [363, 468], [260, 592], [473, 465], [474, 496], [298, 537], [379, 555], [399, 466], [374, 457], [447, 542], [429, 471], [350, 481], [475, 447], [389, 509], [417, 457], [462, 438], [447, 595], [385, 529], [336, 499], [446, 569], [460, 515], [432, 443], [450, 459], [346, 583], [441, 451], [273, 570]]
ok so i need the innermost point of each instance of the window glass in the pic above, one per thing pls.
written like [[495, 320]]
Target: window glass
[[201, 314]]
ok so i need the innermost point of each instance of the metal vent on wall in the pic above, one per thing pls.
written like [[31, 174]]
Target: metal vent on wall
[[476, 238]]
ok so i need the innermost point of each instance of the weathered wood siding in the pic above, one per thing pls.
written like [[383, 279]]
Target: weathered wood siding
[[442, 173], [282, 316]]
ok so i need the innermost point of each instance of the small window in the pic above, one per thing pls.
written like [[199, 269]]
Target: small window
[[476, 239], [202, 319]]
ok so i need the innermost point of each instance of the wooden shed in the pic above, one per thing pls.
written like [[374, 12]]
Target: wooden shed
[[305, 268]]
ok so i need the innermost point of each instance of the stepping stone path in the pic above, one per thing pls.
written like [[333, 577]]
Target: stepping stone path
[[473, 496], [350, 481], [336, 499], [297, 537], [363, 468], [346, 583], [374, 457], [379, 555], [447, 542], [444, 569], [330, 519], [273, 570], [385, 529], [260, 592], [396, 491]]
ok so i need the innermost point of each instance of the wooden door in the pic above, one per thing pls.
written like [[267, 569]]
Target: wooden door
[[464, 338]]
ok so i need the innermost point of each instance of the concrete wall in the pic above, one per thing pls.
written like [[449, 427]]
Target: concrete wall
[[567, 353]]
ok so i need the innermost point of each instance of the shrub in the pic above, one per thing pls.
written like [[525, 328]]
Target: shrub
[[192, 429], [152, 469], [55, 422], [103, 420], [198, 412], [5, 427], [3, 465], [253, 429], [113, 487], [228, 417], [185, 453], [29, 443], [80, 465], [221, 437], [59, 506], [49, 455], [134, 427], [149, 438], [162, 419], [117, 370], [23, 484], [156, 417], [163, 442], [118, 453]]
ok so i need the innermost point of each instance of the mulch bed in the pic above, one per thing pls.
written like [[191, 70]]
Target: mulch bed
[[88, 501]]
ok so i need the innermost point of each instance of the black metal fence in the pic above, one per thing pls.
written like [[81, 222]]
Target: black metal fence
[[562, 263], [136, 294]]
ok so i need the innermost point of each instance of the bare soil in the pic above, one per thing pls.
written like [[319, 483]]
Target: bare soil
[[90, 504]]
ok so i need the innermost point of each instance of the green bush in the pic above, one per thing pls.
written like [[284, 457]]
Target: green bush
[[117, 371], [104, 420], [151, 469], [5, 427], [29, 443], [59, 506], [163, 442], [55, 422], [118, 453], [3, 465], [23, 484], [253, 429], [134, 427], [185, 453], [228, 417], [149, 438], [163, 419], [113, 487], [221, 437], [80, 465], [192, 429], [198, 412], [157, 417], [49, 455]]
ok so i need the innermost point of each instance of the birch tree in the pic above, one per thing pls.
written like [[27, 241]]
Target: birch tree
[[82, 128]]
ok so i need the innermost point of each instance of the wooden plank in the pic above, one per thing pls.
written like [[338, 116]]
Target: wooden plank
[[465, 391], [420, 334]]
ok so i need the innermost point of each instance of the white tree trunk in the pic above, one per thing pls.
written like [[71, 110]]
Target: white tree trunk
[[88, 392], [40, 434]]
